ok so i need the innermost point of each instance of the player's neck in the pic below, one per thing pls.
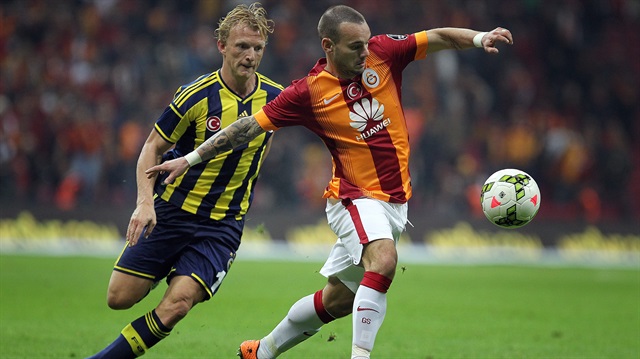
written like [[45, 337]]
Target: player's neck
[[332, 70], [239, 85]]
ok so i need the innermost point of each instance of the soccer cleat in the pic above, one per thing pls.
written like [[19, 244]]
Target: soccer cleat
[[249, 349]]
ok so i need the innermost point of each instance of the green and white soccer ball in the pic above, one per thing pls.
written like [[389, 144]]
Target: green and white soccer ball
[[510, 198]]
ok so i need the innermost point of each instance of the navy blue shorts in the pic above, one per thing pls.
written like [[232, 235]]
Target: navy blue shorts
[[184, 244]]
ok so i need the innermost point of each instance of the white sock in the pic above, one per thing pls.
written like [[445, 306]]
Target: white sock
[[369, 309], [300, 324]]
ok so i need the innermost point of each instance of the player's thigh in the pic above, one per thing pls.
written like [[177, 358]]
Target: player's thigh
[[125, 290]]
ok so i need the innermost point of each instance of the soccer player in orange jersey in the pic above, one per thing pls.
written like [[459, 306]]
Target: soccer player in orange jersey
[[352, 100]]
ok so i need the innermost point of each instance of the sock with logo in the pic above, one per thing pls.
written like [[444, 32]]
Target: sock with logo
[[136, 338], [304, 319], [369, 309]]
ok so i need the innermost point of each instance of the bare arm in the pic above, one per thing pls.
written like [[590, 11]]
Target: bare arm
[[238, 133], [459, 39], [144, 216]]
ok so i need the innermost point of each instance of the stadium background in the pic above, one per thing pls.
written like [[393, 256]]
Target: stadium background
[[83, 82]]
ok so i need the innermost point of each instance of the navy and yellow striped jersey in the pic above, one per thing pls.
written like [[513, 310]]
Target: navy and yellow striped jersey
[[223, 186]]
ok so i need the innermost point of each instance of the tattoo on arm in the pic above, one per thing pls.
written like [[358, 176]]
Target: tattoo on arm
[[236, 134]]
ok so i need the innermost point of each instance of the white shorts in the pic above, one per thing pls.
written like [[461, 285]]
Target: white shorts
[[362, 221]]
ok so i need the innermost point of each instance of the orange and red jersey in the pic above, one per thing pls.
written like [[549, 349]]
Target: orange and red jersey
[[360, 120]]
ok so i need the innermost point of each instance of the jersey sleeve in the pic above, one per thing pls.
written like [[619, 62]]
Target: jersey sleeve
[[422, 43], [170, 124], [290, 108], [400, 50], [174, 121], [264, 121]]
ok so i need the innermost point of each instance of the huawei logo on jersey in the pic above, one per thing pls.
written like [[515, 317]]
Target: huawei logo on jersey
[[366, 113]]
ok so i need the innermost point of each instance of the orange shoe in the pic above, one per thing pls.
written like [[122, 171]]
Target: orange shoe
[[249, 349]]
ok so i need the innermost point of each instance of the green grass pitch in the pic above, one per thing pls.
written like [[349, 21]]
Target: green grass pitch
[[54, 307]]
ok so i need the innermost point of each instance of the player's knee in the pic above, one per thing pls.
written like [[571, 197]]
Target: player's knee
[[387, 266], [381, 257], [126, 290], [118, 300], [384, 265]]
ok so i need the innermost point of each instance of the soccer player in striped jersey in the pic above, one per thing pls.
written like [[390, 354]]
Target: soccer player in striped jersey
[[189, 231], [352, 100]]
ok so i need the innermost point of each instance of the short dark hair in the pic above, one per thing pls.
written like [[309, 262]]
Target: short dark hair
[[333, 17]]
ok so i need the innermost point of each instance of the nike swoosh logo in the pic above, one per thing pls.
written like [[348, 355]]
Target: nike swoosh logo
[[329, 100], [360, 309]]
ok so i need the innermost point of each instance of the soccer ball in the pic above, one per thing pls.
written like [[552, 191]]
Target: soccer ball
[[510, 198]]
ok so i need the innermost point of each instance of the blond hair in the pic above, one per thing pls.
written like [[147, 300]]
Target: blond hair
[[253, 16]]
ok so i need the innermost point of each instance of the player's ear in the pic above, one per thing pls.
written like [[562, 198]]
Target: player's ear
[[221, 47], [327, 44]]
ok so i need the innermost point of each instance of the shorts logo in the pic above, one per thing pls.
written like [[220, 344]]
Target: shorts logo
[[370, 78], [354, 90], [397, 37], [213, 123], [368, 112]]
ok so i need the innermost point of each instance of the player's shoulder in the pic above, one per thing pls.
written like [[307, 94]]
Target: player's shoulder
[[194, 91], [197, 87], [203, 80], [401, 47], [267, 82]]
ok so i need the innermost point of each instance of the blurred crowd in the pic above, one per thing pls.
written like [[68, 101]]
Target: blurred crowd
[[84, 80]]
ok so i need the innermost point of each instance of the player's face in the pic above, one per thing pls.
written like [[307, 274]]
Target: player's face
[[351, 51], [243, 51]]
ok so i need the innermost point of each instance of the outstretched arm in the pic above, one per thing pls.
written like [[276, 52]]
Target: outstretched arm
[[238, 133], [458, 39]]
